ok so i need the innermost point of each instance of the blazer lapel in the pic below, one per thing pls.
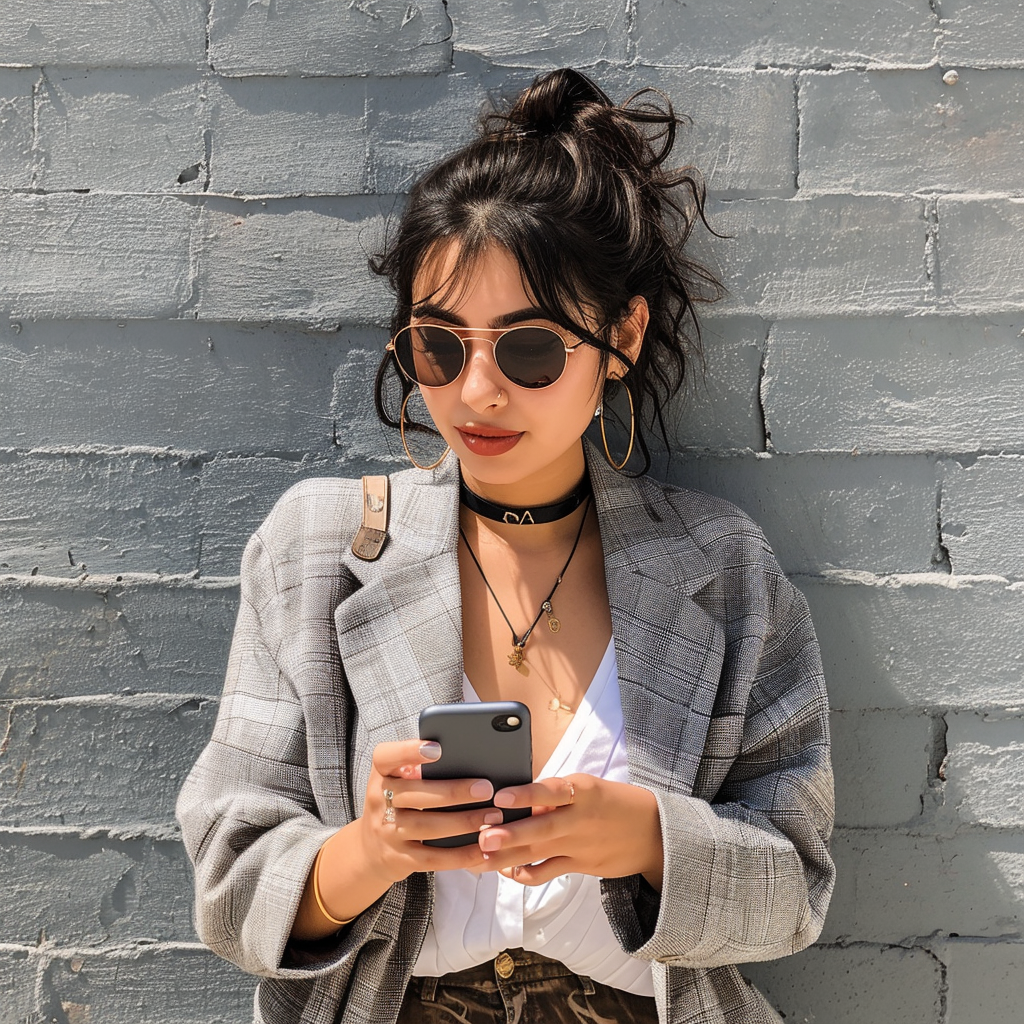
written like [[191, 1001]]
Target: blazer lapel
[[400, 633], [669, 650]]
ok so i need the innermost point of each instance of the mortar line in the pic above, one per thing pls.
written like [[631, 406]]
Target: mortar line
[[37, 90], [799, 128], [766, 434]]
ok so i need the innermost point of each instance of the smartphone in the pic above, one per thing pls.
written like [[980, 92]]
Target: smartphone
[[487, 740]]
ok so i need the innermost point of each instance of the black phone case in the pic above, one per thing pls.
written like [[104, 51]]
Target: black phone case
[[472, 746]]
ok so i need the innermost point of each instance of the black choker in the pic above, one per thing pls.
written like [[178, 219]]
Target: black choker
[[518, 516]]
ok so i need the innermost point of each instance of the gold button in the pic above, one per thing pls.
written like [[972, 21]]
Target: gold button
[[504, 965]]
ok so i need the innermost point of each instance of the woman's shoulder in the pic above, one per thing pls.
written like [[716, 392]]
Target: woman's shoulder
[[324, 512], [724, 534]]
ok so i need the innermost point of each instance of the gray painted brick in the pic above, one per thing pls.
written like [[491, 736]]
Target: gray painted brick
[[288, 136], [895, 384], [70, 639], [115, 34], [17, 982], [204, 387], [541, 35], [94, 255], [880, 760], [926, 640], [94, 889], [743, 132], [829, 255], [292, 261], [984, 769], [851, 984], [894, 887], [981, 509], [858, 512], [16, 128], [981, 33], [68, 514], [719, 407], [414, 122], [173, 984], [97, 761], [985, 981], [907, 131], [85, 118], [981, 252], [740, 33], [323, 37]]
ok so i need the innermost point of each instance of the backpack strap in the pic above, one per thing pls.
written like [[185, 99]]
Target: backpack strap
[[373, 533]]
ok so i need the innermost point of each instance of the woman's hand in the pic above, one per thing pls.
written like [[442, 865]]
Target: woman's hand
[[361, 861], [397, 846], [593, 826]]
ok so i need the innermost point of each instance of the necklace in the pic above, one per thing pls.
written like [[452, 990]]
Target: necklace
[[518, 515], [515, 658]]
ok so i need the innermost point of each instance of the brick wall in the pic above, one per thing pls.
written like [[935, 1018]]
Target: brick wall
[[187, 193]]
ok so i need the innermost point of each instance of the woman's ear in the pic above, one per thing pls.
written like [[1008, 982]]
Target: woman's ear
[[629, 335]]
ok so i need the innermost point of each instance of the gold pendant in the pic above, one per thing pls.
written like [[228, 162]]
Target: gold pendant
[[553, 624], [515, 659], [557, 705]]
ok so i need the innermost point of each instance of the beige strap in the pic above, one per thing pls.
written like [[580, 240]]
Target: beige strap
[[373, 534]]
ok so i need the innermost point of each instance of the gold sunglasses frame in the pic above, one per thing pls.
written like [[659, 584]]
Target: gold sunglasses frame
[[472, 336]]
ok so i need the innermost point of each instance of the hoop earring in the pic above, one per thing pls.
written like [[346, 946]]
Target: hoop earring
[[401, 431], [632, 432]]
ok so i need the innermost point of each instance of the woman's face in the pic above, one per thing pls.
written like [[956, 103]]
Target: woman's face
[[516, 444]]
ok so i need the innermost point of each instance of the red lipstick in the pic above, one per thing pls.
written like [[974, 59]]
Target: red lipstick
[[482, 440]]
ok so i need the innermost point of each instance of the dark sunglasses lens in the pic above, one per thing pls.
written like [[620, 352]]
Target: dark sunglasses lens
[[432, 356], [532, 357]]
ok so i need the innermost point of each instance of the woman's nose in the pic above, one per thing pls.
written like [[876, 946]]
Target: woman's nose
[[483, 385]]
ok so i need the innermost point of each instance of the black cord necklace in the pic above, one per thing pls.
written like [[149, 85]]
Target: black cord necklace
[[519, 515], [515, 658]]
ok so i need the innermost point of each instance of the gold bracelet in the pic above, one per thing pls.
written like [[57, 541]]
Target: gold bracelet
[[319, 898]]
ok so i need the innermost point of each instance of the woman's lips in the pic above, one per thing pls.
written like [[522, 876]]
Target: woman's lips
[[488, 440]]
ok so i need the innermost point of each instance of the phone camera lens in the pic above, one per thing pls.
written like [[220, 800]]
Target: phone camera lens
[[506, 723]]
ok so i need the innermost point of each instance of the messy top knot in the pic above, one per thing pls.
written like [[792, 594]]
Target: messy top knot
[[576, 189]]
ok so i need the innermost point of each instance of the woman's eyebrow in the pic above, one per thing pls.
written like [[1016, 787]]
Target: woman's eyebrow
[[505, 320]]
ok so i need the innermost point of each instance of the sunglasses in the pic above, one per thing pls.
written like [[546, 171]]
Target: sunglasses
[[433, 356]]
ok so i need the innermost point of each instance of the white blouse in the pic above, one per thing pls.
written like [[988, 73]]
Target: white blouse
[[477, 916]]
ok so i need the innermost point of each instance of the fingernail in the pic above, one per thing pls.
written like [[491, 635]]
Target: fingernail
[[493, 818], [504, 800], [430, 750], [481, 789], [489, 843]]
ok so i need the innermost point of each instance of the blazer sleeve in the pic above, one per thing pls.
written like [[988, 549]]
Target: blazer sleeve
[[747, 871], [247, 810]]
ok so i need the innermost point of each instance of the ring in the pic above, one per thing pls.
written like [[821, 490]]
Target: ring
[[389, 807], [572, 792]]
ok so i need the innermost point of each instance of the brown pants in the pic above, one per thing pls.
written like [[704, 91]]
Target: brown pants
[[521, 988]]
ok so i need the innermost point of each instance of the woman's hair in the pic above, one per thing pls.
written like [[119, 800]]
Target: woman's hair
[[575, 187]]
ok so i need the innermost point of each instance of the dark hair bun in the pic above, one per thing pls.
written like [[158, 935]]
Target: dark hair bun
[[554, 103]]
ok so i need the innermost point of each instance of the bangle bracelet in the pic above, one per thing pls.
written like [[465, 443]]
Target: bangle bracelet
[[319, 898]]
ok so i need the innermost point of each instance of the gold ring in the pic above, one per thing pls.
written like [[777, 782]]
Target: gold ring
[[572, 792], [389, 807]]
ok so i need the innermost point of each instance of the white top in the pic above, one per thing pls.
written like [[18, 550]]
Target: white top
[[477, 916]]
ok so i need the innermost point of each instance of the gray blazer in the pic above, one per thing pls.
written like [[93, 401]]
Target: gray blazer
[[725, 721]]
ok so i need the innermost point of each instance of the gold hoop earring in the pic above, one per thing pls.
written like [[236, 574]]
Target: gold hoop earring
[[405, 444], [401, 431], [632, 431]]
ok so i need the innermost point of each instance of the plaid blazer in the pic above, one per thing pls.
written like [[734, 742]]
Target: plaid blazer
[[725, 720]]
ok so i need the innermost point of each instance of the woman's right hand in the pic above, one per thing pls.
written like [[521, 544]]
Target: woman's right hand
[[398, 845], [361, 861]]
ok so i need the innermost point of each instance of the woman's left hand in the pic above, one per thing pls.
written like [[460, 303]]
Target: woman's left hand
[[593, 827]]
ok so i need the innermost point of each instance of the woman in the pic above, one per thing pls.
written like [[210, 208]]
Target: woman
[[683, 799]]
